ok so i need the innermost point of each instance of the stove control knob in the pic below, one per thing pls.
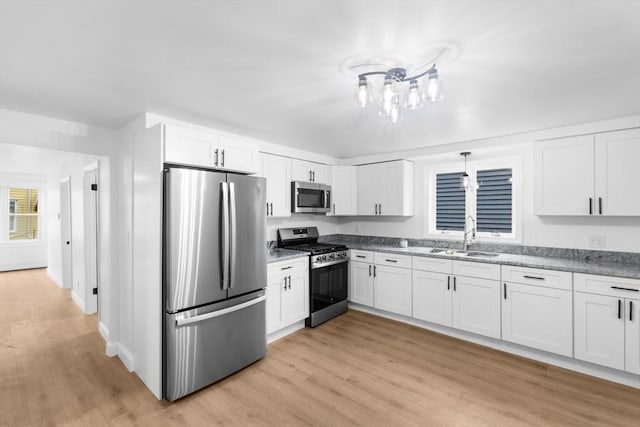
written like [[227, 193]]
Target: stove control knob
[[321, 258], [343, 254], [332, 256]]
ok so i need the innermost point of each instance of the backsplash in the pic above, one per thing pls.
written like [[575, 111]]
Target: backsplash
[[574, 254]]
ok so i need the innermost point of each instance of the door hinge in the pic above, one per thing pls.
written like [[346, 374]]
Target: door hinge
[[94, 187], [95, 291]]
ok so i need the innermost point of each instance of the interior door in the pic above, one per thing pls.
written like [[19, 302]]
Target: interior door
[[90, 210], [192, 238], [65, 233], [248, 256]]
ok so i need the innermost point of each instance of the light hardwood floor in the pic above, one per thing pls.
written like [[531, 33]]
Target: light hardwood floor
[[357, 369]]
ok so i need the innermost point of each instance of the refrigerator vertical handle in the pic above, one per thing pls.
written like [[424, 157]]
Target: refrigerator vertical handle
[[225, 232], [232, 235]]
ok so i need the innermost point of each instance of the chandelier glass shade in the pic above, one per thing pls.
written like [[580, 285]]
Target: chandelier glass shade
[[393, 88]]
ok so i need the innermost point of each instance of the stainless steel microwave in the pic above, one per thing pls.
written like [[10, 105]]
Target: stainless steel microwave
[[310, 197]]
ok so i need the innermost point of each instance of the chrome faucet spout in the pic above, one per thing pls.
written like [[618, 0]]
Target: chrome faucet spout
[[466, 241]]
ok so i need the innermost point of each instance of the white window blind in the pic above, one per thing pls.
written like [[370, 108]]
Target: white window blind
[[494, 206], [450, 202]]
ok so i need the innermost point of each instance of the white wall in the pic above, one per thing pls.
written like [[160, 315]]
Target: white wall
[[621, 234], [58, 148]]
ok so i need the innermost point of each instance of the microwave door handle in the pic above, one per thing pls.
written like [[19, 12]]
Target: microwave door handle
[[233, 241], [327, 199]]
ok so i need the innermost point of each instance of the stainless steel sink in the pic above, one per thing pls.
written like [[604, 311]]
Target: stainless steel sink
[[482, 254], [455, 252]]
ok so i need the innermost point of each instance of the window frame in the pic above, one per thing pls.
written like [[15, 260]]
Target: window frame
[[513, 163], [12, 215], [6, 240]]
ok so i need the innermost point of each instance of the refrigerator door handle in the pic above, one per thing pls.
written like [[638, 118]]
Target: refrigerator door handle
[[181, 321], [225, 237], [232, 235]]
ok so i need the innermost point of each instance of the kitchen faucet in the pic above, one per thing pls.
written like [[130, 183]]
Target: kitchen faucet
[[466, 242]]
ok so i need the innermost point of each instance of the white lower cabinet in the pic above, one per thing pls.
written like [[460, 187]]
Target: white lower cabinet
[[392, 289], [432, 297], [476, 305], [538, 317], [361, 283], [607, 326], [287, 293]]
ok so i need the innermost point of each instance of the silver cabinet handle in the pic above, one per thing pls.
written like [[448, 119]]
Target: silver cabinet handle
[[195, 319], [222, 157], [215, 161]]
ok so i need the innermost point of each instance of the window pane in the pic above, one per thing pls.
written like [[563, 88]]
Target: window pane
[[494, 201], [23, 214], [450, 202]]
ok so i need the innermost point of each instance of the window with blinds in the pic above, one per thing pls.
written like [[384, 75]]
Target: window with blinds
[[494, 201], [450, 202]]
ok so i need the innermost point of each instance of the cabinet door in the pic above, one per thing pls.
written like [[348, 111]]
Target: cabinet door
[[538, 317], [343, 190], [476, 306], [295, 300], [366, 194], [237, 154], [617, 155], [432, 297], [564, 176], [275, 288], [277, 171], [361, 283], [321, 173], [392, 289], [391, 184], [189, 147], [300, 170], [598, 330], [632, 336]]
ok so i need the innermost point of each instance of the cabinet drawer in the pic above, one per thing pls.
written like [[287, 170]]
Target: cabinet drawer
[[402, 261], [606, 285], [287, 266], [476, 269], [362, 256], [437, 265], [537, 276]]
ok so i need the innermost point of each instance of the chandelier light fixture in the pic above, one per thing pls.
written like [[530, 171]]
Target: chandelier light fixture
[[414, 96]]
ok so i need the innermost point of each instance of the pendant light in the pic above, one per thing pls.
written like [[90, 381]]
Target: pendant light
[[464, 181]]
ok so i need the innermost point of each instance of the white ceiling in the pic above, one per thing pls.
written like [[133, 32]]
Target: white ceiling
[[274, 69]]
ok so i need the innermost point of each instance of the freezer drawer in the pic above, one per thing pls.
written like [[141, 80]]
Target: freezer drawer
[[207, 344]]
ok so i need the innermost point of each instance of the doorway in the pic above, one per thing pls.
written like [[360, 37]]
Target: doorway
[[90, 189], [65, 233]]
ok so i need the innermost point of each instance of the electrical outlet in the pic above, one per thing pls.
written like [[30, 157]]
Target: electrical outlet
[[597, 242]]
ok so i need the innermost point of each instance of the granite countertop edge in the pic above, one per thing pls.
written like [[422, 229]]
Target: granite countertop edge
[[277, 255], [622, 270]]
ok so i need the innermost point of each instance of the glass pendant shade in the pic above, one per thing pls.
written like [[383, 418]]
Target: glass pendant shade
[[433, 91], [414, 96], [464, 182], [364, 96], [387, 97], [394, 115]]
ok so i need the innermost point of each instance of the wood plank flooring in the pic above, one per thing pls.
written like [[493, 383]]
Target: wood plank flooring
[[357, 369]]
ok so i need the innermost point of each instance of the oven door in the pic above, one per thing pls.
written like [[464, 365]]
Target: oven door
[[329, 285]]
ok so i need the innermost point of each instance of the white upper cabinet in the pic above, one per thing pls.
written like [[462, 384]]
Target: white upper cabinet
[[277, 171], [200, 147], [302, 170], [385, 189], [587, 175], [617, 155], [343, 190]]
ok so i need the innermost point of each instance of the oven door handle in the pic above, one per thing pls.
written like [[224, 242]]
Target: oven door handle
[[327, 264]]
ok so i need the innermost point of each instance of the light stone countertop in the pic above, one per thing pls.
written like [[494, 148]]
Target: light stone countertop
[[631, 271], [279, 254]]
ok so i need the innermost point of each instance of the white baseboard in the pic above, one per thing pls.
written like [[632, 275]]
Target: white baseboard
[[79, 301], [54, 278], [22, 266], [126, 357], [569, 363], [273, 336], [111, 349]]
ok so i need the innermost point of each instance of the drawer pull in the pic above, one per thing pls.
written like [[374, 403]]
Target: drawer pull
[[286, 268], [448, 282], [360, 256], [619, 309], [391, 260], [630, 311], [505, 290], [454, 283], [625, 289], [533, 277]]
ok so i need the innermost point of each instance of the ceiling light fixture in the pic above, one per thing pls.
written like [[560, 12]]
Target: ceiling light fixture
[[389, 98], [464, 182]]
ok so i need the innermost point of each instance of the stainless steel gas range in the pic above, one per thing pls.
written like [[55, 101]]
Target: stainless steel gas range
[[328, 273]]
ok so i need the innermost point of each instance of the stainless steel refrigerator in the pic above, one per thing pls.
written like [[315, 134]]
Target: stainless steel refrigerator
[[214, 274]]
